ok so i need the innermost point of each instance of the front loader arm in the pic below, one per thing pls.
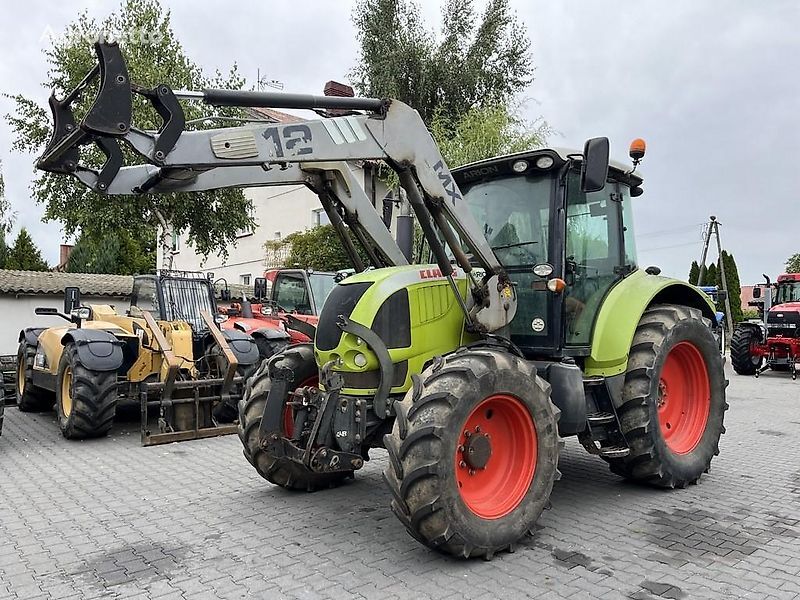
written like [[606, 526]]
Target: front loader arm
[[315, 153]]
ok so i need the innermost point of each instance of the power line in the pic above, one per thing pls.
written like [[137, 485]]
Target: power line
[[668, 231], [668, 247]]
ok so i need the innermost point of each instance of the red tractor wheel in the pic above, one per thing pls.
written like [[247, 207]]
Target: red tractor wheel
[[673, 399], [473, 453]]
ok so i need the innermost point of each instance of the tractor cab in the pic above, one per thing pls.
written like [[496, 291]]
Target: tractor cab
[[174, 296], [564, 244]]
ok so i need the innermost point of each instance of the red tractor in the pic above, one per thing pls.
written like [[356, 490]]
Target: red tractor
[[774, 341], [284, 308]]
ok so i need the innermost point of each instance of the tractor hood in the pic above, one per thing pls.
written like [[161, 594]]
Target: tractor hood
[[785, 307]]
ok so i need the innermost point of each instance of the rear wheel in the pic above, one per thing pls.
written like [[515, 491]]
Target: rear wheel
[[86, 400], [743, 357], [29, 398], [473, 453], [673, 399], [281, 471]]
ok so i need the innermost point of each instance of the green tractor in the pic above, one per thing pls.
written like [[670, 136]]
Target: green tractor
[[533, 324]]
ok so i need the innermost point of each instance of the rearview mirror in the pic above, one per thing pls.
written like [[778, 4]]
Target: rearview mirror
[[594, 169], [260, 288], [72, 299], [756, 292]]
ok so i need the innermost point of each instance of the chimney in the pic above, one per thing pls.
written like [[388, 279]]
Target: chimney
[[63, 256], [334, 88]]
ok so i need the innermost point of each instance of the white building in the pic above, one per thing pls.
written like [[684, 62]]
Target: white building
[[278, 211]]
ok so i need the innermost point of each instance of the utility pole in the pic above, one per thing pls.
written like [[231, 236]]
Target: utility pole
[[713, 229]]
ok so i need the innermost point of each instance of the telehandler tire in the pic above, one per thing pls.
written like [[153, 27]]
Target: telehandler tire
[[743, 360], [673, 399], [473, 453], [280, 471], [86, 400], [29, 398]]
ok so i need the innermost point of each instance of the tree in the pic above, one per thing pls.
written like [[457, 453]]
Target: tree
[[118, 253], [694, 273], [734, 286], [24, 255], [476, 60], [154, 55], [793, 263], [710, 276], [319, 248], [483, 132]]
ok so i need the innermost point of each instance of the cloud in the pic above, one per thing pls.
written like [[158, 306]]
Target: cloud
[[712, 88]]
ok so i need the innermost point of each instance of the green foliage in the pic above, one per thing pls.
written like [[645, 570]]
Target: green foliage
[[117, 253], [713, 276], [24, 255], [694, 272], [484, 132], [476, 60], [793, 263], [734, 285], [318, 248], [154, 55]]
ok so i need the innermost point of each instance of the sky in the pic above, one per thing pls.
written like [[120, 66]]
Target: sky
[[714, 89]]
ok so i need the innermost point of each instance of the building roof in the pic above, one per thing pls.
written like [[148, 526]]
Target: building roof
[[50, 282], [277, 116]]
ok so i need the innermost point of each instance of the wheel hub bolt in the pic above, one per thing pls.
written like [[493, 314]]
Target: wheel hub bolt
[[462, 464], [472, 471]]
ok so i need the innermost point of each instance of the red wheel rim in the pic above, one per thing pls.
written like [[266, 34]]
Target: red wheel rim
[[496, 456], [684, 398], [288, 413]]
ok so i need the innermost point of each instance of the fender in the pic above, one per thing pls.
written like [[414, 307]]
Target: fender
[[622, 309], [271, 333], [242, 345], [31, 335], [98, 350]]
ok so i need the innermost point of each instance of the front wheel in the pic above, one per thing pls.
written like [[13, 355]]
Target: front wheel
[[86, 400], [744, 359], [473, 453], [673, 399]]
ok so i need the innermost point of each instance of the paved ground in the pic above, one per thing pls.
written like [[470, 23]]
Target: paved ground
[[110, 519]]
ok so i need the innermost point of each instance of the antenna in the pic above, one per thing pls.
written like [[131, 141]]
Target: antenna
[[263, 82]]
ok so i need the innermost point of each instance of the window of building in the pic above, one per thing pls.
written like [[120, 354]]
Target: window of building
[[248, 230], [244, 279], [319, 217], [176, 241]]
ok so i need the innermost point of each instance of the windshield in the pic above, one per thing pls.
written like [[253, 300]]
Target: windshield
[[788, 292], [321, 286], [145, 296], [185, 298], [514, 214]]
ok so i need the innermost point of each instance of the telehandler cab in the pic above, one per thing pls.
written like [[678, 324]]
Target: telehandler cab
[[167, 352], [533, 324]]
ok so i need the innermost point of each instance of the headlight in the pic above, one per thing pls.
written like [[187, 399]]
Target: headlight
[[520, 166], [544, 162], [220, 319], [266, 310]]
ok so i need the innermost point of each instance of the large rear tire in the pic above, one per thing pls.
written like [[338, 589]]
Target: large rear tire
[[473, 453], [280, 471], [743, 360], [86, 400], [673, 399], [29, 398]]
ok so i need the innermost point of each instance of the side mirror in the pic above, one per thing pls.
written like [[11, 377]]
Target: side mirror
[[72, 299], [756, 292], [260, 288], [225, 294], [722, 295], [594, 169]]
